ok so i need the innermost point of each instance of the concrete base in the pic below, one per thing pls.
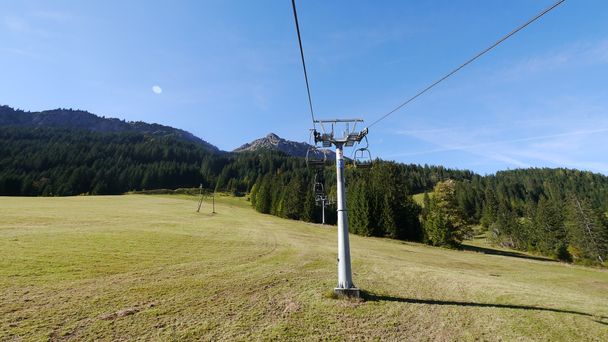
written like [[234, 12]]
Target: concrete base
[[348, 293]]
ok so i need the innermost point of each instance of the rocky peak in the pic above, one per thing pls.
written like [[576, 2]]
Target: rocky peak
[[273, 142]]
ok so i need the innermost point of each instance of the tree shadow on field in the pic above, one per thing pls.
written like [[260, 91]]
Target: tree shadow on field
[[491, 251], [371, 297]]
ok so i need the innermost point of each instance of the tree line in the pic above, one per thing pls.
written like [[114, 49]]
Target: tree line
[[379, 199], [555, 212], [559, 213]]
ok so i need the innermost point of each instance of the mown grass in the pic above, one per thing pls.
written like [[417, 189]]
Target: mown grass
[[150, 267]]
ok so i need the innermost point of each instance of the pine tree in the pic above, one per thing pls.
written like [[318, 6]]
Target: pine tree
[[309, 210], [292, 199], [387, 216], [426, 204], [358, 210], [409, 220], [587, 232], [444, 224], [550, 230], [263, 198], [503, 228], [438, 229], [253, 193], [490, 207]]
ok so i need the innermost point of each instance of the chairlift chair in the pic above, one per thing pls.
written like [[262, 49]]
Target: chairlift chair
[[319, 189], [319, 184], [315, 158], [362, 157]]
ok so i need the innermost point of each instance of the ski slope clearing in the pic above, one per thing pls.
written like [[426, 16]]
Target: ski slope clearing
[[150, 267]]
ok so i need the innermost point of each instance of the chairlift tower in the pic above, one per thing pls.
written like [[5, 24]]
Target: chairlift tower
[[347, 137], [322, 201], [319, 190]]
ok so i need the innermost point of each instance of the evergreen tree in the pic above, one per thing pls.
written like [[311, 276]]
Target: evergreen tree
[[490, 207], [503, 228], [358, 209], [263, 199], [587, 232], [309, 211], [409, 220], [549, 228], [445, 224], [438, 228], [253, 193], [292, 198], [388, 216], [426, 204]]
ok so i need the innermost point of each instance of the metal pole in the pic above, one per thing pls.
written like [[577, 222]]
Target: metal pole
[[213, 197], [323, 209], [345, 282], [200, 202]]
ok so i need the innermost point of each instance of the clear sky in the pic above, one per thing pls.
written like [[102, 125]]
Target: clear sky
[[229, 72]]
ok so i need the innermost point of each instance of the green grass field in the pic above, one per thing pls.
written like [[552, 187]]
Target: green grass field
[[150, 267]]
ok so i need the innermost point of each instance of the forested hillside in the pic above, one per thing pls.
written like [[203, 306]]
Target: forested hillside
[[83, 120], [558, 213], [555, 212], [56, 161], [379, 198], [60, 162]]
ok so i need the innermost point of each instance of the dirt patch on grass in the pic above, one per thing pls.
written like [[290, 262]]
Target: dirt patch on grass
[[126, 312], [291, 306]]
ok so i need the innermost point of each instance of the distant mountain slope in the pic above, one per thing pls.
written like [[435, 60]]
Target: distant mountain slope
[[69, 118], [275, 143]]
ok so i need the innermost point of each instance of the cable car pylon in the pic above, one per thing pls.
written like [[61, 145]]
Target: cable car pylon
[[347, 137]]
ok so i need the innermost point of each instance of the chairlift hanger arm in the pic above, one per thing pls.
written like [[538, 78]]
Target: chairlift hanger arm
[[338, 120], [351, 135]]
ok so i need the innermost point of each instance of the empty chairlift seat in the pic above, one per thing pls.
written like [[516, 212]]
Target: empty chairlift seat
[[315, 158]]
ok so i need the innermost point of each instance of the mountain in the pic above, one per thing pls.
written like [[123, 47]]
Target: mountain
[[275, 143], [79, 119]]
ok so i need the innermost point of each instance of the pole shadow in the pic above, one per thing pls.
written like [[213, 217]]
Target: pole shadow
[[372, 297], [504, 253]]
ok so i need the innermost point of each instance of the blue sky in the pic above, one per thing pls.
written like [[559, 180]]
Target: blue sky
[[229, 72]]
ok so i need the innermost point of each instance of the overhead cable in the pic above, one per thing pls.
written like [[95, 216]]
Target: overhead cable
[[295, 16], [471, 60]]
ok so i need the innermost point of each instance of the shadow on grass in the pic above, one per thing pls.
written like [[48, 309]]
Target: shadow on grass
[[371, 297], [503, 253]]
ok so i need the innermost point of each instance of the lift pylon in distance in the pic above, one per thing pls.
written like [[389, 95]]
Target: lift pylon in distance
[[319, 183], [341, 133]]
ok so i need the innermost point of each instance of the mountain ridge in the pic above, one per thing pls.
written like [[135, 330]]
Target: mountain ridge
[[275, 143], [81, 119]]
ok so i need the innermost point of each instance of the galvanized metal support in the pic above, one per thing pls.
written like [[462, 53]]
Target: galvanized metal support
[[345, 280], [349, 137], [323, 210], [200, 202]]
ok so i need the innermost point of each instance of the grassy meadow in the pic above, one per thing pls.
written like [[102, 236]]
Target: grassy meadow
[[150, 267]]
